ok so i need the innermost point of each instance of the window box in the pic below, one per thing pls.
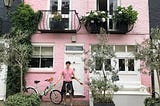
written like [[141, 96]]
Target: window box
[[92, 27], [122, 28], [56, 25]]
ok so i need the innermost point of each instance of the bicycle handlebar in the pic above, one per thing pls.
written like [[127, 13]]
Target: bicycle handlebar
[[49, 80]]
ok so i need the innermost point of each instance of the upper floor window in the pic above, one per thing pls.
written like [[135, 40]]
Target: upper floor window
[[63, 7], [109, 6], [42, 57]]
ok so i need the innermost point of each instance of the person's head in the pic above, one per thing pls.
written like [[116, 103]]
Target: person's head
[[68, 63]]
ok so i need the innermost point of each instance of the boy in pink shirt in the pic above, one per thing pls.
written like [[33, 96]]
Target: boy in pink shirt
[[67, 75]]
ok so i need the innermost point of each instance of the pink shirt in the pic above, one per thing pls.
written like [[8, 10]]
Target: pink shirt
[[67, 74]]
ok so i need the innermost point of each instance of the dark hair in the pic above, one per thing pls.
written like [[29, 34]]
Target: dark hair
[[68, 62]]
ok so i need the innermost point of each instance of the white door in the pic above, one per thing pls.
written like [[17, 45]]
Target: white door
[[3, 76], [77, 64]]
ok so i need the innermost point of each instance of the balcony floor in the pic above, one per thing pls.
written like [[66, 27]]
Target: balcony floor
[[58, 31]]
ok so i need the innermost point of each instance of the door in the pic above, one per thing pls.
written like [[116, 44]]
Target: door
[[77, 64], [3, 75]]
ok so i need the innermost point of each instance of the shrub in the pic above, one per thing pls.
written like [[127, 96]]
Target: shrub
[[125, 15], [152, 101], [22, 100]]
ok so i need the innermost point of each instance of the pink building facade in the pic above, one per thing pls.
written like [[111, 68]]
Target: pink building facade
[[53, 48]]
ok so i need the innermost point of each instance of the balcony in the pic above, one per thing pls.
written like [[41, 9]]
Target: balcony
[[69, 22]]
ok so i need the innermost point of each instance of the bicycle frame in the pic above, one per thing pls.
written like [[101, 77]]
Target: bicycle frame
[[46, 90]]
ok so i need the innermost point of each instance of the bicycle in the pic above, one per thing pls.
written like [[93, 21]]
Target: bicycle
[[55, 95]]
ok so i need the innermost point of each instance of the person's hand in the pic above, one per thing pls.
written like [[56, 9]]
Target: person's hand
[[54, 84]]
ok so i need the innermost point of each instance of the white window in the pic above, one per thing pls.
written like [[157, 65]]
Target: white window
[[109, 6], [123, 62], [63, 7], [125, 58], [99, 61], [42, 57]]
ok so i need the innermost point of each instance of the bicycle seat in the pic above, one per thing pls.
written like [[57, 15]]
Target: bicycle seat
[[36, 82]]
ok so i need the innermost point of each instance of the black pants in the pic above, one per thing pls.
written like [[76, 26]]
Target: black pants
[[67, 88]]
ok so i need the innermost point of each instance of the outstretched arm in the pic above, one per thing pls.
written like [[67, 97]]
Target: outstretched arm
[[59, 78], [77, 79]]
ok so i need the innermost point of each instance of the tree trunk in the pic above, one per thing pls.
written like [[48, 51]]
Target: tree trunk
[[21, 78], [158, 78]]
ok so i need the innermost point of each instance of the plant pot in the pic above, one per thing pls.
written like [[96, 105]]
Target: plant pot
[[56, 25], [92, 27], [104, 104], [122, 28]]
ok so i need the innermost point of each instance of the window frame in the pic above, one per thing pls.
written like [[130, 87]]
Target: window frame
[[73, 45], [118, 2], [64, 16], [43, 69], [123, 55]]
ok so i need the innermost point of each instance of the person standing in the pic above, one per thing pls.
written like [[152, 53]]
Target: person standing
[[67, 75]]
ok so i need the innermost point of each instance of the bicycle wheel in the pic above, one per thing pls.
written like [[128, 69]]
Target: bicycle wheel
[[30, 90], [56, 97]]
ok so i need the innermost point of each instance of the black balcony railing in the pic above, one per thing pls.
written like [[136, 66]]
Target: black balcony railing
[[69, 23]]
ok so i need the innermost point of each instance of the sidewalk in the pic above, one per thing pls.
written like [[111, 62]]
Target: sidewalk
[[75, 103], [1, 103]]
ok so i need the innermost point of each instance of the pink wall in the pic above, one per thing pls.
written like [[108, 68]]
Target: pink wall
[[137, 35]]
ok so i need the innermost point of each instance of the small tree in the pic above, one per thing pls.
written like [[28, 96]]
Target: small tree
[[102, 86], [149, 53], [19, 51]]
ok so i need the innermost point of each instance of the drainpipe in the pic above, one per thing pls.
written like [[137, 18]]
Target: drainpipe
[[152, 71]]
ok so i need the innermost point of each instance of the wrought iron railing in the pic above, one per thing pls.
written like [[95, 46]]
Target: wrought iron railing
[[69, 22]]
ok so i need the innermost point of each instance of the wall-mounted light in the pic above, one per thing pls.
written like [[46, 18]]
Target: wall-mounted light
[[73, 39]]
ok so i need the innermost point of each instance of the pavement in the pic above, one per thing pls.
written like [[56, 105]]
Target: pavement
[[75, 103]]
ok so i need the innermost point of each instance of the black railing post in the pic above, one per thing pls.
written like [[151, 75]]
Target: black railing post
[[152, 71]]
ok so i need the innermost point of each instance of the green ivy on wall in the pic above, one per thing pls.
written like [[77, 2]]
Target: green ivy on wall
[[24, 24]]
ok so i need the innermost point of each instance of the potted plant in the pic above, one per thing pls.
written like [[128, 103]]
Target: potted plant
[[56, 22], [124, 18], [152, 101], [93, 20], [102, 84]]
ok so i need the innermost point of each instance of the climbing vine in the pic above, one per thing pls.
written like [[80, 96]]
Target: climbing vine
[[24, 24]]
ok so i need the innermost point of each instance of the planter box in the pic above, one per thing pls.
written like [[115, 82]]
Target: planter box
[[56, 25], [104, 104], [122, 28], [92, 27]]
